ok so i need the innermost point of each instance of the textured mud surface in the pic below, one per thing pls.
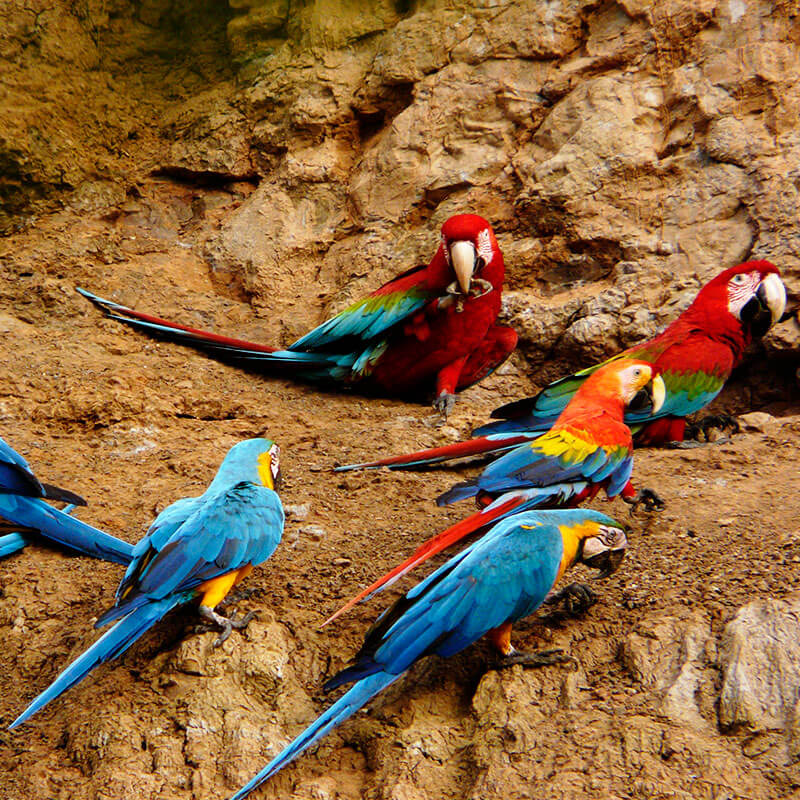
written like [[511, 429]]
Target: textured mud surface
[[251, 170]]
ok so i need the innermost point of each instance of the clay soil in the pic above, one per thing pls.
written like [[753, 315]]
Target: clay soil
[[133, 424]]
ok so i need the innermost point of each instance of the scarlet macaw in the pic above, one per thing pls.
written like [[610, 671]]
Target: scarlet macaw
[[589, 448], [695, 356], [499, 579], [430, 328], [24, 515], [196, 548]]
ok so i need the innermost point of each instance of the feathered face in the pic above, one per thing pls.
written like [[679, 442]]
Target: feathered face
[[269, 467], [638, 383], [469, 246], [752, 292], [605, 550]]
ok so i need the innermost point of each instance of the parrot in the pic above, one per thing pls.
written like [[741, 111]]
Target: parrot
[[196, 548], [695, 355], [25, 517], [589, 448], [499, 579], [430, 329]]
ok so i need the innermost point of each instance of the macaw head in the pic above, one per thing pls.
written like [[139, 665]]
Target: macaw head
[[253, 460], [603, 549], [469, 248], [625, 383], [752, 293]]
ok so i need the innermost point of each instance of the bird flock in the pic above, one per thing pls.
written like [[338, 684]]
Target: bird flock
[[430, 331]]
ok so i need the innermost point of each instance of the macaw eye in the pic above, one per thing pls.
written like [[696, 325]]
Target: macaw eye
[[637, 373], [740, 278]]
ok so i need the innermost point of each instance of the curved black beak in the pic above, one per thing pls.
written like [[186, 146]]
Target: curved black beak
[[765, 307]]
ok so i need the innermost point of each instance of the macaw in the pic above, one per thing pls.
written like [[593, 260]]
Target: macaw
[[196, 548], [24, 516], [482, 591], [589, 448], [431, 328], [695, 356]]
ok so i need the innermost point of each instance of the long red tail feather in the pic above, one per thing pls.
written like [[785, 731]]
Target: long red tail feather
[[435, 545], [470, 447]]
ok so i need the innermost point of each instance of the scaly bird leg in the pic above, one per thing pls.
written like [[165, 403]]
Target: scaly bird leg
[[698, 431], [509, 655], [225, 624], [650, 499], [578, 598], [214, 592], [444, 404]]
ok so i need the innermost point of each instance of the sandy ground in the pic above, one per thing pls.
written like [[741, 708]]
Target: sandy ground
[[133, 425]]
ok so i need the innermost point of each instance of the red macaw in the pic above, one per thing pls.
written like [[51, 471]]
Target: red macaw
[[430, 329], [695, 356], [589, 448], [482, 591]]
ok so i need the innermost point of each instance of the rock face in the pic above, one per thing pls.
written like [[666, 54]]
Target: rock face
[[253, 167], [623, 153], [760, 658]]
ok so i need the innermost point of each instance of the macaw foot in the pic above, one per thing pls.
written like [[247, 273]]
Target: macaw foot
[[651, 501], [444, 404], [699, 430], [226, 624], [238, 595], [543, 658], [578, 598]]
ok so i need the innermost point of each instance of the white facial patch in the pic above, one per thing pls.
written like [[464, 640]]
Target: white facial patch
[[741, 287], [485, 250], [275, 461], [446, 250]]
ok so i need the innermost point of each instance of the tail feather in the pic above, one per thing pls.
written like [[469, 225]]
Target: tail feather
[[480, 519], [63, 495], [108, 646], [435, 455], [308, 365], [459, 491], [172, 329], [356, 697], [12, 543], [32, 513], [534, 426]]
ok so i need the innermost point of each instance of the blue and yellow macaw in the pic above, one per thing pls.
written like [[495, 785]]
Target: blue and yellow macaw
[[588, 449], [499, 579], [24, 515], [197, 548]]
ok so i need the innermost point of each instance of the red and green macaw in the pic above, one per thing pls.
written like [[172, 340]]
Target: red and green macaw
[[198, 548], [694, 355], [432, 329], [589, 448], [25, 517], [499, 579]]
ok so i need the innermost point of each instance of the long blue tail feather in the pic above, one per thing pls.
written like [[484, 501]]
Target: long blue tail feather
[[108, 646], [356, 697], [28, 512], [13, 543]]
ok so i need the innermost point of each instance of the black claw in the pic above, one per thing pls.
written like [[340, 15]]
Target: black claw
[[578, 598], [699, 429], [651, 500], [444, 404], [543, 658]]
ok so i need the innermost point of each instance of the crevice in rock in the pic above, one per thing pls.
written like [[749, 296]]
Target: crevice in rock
[[191, 177]]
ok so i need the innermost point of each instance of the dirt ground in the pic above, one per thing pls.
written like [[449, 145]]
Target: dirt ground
[[134, 424]]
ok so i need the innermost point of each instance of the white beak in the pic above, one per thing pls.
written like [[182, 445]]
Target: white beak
[[462, 257], [659, 393], [773, 293]]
